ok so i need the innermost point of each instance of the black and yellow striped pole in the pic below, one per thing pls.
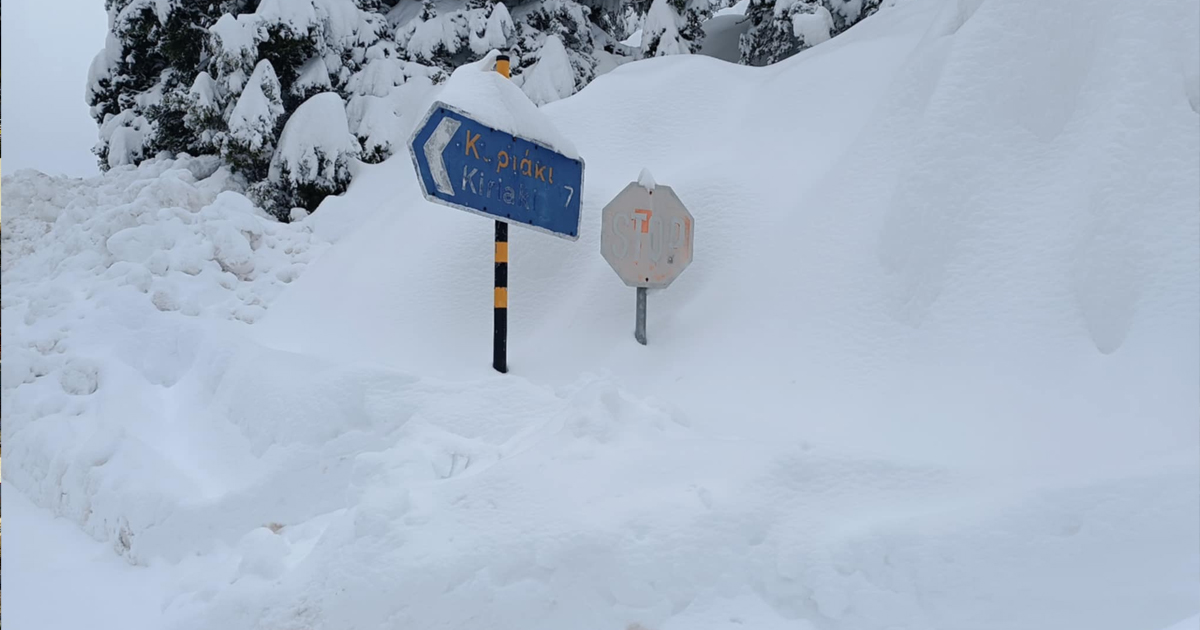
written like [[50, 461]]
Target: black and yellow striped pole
[[500, 325], [500, 313]]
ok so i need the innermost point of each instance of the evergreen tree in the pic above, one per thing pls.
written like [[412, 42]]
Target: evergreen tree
[[313, 160], [694, 13], [674, 27], [310, 52], [122, 77], [491, 28], [847, 13], [552, 77], [226, 77], [569, 22], [250, 143], [452, 39], [204, 118], [428, 10], [782, 28], [152, 53]]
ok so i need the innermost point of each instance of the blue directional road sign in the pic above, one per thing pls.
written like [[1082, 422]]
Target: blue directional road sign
[[467, 165]]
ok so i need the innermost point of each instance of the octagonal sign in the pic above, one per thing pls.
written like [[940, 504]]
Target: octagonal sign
[[647, 236]]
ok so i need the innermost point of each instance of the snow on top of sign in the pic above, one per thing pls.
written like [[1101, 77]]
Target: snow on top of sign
[[646, 180], [486, 96]]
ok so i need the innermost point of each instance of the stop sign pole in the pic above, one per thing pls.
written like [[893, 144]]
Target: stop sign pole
[[639, 327], [646, 237]]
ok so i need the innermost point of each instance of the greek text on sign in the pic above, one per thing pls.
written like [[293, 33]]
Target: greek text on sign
[[467, 165], [647, 236]]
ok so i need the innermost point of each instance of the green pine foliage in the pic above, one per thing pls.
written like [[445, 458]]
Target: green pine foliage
[[188, 76], [782, 28]]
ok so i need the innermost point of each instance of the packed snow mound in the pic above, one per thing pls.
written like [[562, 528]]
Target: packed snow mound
[[925, 225], [110, 285], [964, 257], [935, 364]]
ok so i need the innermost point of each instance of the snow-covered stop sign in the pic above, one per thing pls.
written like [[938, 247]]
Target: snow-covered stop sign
[[647, 235]]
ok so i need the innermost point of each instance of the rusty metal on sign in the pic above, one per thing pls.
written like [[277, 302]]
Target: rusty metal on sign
[[647, 236]]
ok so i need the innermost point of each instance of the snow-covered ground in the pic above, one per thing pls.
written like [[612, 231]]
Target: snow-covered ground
[[936, 363], [60, 579]]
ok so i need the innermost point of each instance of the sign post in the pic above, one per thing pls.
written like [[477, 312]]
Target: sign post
[[466, 164], [646, 237], [500, 309], [639, 326]]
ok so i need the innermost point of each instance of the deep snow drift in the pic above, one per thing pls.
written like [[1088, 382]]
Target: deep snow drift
[[935, 365]]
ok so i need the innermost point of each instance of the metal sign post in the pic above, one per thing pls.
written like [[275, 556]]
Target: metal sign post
[[639, 326], [646, 237], [500, 310], [465, 164]]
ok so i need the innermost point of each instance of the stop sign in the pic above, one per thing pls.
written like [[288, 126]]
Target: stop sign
[[647, 236]]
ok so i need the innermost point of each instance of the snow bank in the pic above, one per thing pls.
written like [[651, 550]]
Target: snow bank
[[935, 363], [112, 287], [961, 261], [56, 559]]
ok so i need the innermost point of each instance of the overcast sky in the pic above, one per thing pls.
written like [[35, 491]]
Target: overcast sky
[[45, 49]]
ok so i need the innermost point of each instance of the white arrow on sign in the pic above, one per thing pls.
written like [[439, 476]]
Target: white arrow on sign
[[434, 146]]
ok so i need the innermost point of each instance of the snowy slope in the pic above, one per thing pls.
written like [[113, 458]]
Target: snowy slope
[[935, 364], [878, 234], [54, 557]]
